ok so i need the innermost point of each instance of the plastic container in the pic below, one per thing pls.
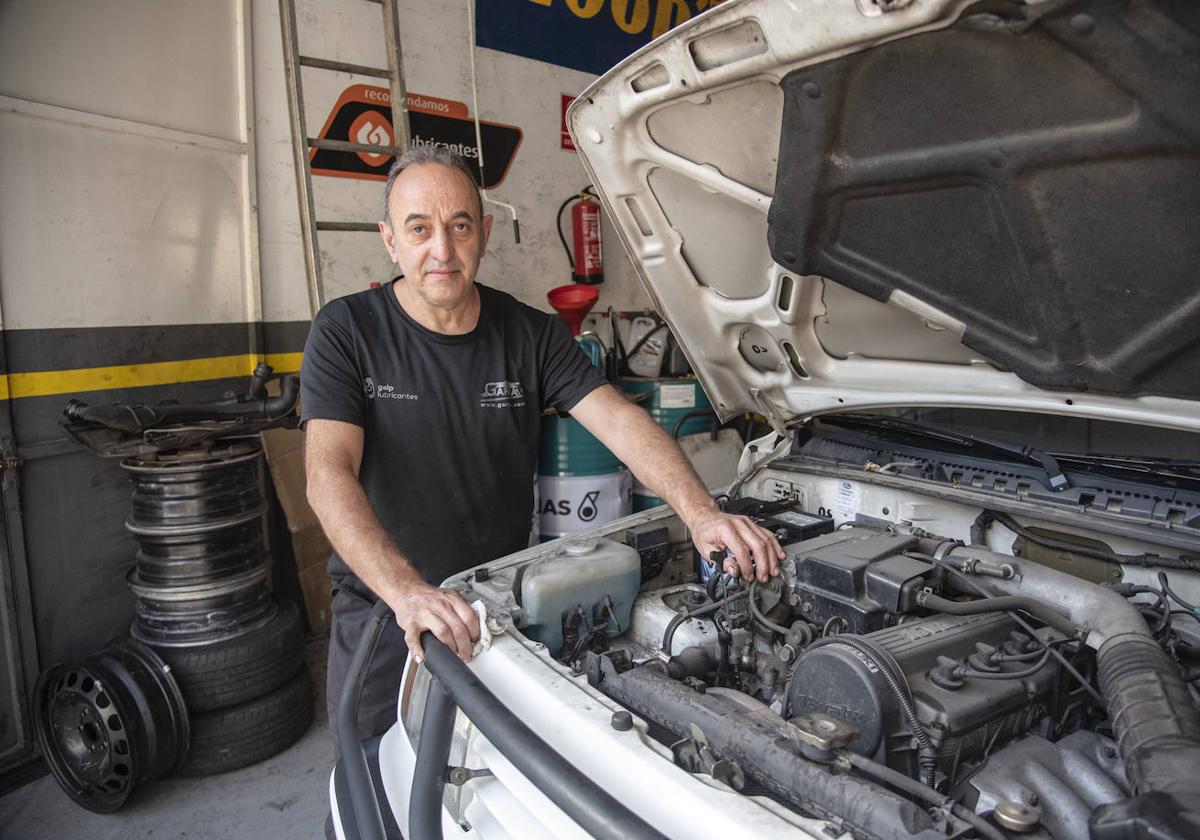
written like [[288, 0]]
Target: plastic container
[[583, 575], [649, 336]]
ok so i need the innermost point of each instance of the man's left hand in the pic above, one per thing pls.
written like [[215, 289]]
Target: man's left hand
[[754, 551]]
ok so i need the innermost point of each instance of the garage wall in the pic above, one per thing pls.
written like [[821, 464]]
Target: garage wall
[[150, 249], [126, 240]]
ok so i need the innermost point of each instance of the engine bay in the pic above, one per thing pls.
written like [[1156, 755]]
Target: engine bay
[[891, 680]]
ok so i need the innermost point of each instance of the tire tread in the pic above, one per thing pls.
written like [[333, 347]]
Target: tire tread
[[229, 739]]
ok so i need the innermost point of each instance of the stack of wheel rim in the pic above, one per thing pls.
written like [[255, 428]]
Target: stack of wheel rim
[[203, 605]]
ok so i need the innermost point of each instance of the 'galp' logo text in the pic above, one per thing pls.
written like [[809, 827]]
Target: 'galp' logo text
[[385, 392]]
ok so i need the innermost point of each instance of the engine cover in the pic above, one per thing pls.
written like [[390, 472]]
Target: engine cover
[[964, 722]]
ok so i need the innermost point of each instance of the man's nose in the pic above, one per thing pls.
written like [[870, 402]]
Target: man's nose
[[441, 247]]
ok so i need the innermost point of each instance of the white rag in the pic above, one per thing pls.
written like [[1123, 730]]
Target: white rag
[[485, 633]]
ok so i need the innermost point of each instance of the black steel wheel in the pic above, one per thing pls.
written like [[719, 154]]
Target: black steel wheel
[[189, 557], [194, 491], [202, 614], [110, 723]]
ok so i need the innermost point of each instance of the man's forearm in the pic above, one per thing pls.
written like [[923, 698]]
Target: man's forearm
[[660, 464], [657, 461], [355, 532]]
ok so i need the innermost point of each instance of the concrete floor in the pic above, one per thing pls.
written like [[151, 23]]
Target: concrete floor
[[283, 797]]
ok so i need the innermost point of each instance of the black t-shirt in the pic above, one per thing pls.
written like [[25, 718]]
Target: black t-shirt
[[450, 422]]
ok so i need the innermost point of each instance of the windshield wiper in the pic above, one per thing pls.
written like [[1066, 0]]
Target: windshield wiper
[[1055, 475], [1180, 468]]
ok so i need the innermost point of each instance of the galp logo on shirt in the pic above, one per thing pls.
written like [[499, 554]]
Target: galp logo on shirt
[[385, 392], [502, 395]]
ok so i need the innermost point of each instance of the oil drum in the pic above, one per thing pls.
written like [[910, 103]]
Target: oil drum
[[580, 483]]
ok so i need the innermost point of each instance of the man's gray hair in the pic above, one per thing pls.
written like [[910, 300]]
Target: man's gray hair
[[429, 153]]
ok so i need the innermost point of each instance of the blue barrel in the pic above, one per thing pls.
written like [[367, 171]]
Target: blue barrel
[[670, 400]]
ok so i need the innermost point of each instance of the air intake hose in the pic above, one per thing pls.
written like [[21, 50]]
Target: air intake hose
[[1153, 718]]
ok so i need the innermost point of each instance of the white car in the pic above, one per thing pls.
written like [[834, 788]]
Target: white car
[[851, 212]]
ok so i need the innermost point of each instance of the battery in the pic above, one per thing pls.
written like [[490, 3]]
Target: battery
[[791, 526]]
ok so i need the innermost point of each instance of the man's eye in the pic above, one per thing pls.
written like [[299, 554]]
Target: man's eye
[[462, 227], [417, 229]]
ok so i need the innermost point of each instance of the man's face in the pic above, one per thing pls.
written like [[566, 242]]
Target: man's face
[[436, 236]]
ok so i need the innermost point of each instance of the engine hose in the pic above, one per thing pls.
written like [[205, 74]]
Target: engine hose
[[1039, 610], [926, 751], [1010, 675], [902, 783], [714, 426], [669, 633], [980, 526], [758, 613], [1165, 584], [979, 529], [1154, 720]]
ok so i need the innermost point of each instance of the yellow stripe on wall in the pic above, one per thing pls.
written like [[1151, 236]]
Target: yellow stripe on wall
[[51, 382], [283, 362]]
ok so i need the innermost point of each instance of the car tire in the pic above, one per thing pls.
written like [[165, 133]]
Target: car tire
[[229, 739], [226, 674]]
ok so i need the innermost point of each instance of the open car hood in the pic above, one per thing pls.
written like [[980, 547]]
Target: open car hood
[[859, 203]]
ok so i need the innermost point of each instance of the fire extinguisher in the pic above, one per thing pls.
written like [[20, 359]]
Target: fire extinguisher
[[587, 264]]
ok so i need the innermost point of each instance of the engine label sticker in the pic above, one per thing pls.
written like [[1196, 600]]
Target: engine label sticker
[[677, 396], [794, 518], [776, 489], [847, 500]]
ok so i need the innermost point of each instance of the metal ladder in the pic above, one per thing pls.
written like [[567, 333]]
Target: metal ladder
[[301, 142]]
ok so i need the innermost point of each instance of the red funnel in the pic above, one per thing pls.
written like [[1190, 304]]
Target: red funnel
[[573, 303]]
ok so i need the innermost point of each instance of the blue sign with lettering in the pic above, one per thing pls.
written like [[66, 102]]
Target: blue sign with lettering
[[587, 35]]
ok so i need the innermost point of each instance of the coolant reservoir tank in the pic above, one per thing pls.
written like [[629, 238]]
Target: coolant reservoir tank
[[581, 575]]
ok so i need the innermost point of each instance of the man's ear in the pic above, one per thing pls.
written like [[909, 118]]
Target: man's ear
[[389, 241], [487, 230]]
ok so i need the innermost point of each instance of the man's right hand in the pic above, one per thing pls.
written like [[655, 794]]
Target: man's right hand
[[443, 612]]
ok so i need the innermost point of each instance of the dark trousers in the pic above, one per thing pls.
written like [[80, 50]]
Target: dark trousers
[[381, 691]]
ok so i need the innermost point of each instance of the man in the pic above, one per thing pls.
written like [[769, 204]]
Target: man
[[413, 475]]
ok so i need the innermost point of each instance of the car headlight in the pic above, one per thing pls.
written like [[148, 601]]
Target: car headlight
[[413, 692]]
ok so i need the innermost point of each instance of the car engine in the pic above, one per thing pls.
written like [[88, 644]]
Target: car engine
[[887, 666]]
